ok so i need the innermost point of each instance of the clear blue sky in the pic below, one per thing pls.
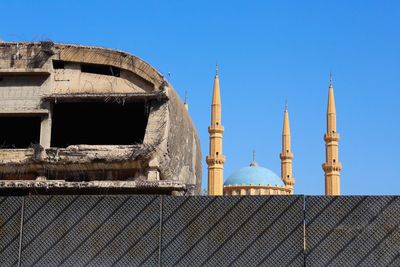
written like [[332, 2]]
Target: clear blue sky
[[267, 51]]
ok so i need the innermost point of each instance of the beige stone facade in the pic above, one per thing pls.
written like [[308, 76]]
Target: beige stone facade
[[255, 190]]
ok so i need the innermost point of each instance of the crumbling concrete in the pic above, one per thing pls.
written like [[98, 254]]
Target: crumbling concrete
[[34, 77]]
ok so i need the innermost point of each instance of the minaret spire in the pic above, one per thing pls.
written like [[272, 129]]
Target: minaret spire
[[186, 101], [286, 154], [332, 166], [215, 160], [286, 105]]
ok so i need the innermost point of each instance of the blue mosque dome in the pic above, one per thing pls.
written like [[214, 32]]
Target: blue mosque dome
[[255, 175]]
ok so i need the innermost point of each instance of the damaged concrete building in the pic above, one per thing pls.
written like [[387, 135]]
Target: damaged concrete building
[[78, 119]]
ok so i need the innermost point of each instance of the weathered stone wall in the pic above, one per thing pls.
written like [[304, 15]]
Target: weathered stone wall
[[183, 144]]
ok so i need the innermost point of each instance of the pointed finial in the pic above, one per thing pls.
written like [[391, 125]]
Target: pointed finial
[[286, 104], [186, 101], [330, 79], [216, 69], [254, 163]]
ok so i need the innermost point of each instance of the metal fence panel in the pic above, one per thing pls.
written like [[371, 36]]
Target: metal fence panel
[[232, 231], [10, 218], [91, 230], [353, 231]]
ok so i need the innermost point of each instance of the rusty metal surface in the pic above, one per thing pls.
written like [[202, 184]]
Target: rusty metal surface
[[232, 231], [353, 231], [10, 217], [91, 230]]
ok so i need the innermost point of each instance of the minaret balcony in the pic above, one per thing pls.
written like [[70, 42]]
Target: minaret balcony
[[215, 160], [332, 167], [329, 137], [286, 155], [215, 129], [289, 181]]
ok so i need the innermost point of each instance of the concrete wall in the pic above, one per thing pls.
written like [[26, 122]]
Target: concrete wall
[[36, 76]]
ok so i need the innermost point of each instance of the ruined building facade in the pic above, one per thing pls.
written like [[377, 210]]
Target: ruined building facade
[[76, 118]]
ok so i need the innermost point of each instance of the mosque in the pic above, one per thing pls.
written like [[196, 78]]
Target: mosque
[[257, 180]]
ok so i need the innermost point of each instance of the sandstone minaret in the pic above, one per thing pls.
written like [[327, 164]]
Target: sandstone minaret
[[286, 155], [215, 160], [332, 166]]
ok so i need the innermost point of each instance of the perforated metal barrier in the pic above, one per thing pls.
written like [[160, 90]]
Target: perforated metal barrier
[[238, 231], [10, 224], [90, 230], [352, 231], [150, 230], [140, 230]]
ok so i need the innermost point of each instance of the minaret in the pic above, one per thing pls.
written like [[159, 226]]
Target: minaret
[[186, 101], [286, 155], [332, 166], [215, 160]]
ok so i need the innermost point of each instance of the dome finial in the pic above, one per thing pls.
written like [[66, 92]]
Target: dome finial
[[254, 163]]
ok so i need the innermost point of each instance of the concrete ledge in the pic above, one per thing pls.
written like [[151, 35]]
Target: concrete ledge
[[23, 112], [106, 96], [165, 184], [34, 71]]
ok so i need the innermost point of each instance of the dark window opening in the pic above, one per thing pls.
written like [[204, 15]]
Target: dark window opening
[[94, 123], [22, 80], [57, 64], [101, 69], [19, 132], [92, 175], [217, 153]]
